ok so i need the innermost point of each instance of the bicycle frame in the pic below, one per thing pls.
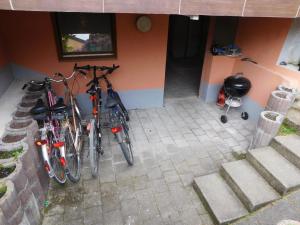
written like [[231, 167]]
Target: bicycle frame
[[75, 110]]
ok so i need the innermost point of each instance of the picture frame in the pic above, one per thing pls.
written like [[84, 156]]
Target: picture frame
[[85, 35]]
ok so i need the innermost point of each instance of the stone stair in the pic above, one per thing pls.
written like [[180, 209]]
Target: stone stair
[[246, 185], [293, 115]]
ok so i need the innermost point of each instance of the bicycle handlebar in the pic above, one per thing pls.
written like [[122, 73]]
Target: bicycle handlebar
[[66, 78], [108, 69], [100, 68]]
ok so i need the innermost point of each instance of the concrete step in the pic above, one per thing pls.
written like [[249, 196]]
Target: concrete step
[[289, 147], [223, 205], [281, 174], [293, 118], [252, 189], [296, 105]]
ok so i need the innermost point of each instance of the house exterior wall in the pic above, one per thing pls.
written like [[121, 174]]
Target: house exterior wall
[[30, 40], [5, 73], [262, 41]]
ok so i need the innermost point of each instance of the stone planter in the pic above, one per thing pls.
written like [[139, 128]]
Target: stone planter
[[37, 177], [10, 205], [267, 128], [25, 106], [291, 90], [3, 220], [14, 137], [280, 101], [12, 140], [32, 97], [22, 115], [34, 92], [24, 193], [17, 125], [33, 164], [28, 127], [10, 156]]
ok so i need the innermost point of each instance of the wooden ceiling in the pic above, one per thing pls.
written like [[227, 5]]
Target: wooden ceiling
[[248, 8]]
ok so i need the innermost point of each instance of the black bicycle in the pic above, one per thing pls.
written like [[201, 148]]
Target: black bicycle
[[118, 115]]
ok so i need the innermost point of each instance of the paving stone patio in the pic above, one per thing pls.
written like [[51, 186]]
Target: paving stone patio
[[172, 145]]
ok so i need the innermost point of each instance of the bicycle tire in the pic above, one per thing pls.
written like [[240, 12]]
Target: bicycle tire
[[125, 145], [93, 151], [72, 157], [59, 175], [78, 124]]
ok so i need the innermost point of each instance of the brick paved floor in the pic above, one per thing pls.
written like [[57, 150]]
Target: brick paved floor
[[172, 145]]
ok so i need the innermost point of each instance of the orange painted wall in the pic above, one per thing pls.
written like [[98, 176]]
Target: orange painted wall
[[3, 54], [221, 67], [262, 39], [31, 43], [215, 68]]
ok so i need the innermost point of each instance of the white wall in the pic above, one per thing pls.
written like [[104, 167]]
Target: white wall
[[291, 49]]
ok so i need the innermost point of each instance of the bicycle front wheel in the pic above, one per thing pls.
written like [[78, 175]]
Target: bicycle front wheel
[[58, 169], [72, 156], [93, 148]]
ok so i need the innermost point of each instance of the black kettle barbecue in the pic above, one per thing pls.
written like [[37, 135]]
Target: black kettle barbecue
[[235, 87]]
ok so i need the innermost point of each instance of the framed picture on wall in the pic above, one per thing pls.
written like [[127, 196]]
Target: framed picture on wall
[[85, 35]]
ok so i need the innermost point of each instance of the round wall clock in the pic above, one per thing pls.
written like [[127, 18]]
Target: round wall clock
[[143, 23]]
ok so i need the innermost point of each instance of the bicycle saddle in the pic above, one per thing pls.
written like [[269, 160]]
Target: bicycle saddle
[[39, 107], [36, 85], [110, 102], [59, 106]]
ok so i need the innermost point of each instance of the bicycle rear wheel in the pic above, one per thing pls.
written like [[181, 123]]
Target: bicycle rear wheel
[[58, 169], [93, 148], [125, 144], [72, 156]]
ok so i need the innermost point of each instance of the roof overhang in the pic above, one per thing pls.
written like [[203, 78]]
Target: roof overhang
[[248, 8]]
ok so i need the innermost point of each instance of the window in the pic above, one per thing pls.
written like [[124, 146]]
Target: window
[[290, 53], [85, 35]]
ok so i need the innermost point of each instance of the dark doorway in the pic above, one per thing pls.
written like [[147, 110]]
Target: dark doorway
[[186, 49]]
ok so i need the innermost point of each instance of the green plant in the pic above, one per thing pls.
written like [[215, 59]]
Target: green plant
[[11, 154], [3, 189], [285, 129]]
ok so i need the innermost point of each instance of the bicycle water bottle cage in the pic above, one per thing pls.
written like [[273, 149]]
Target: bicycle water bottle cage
[[110, 102]]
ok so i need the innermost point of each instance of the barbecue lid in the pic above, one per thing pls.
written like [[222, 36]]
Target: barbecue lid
[[237, 85]]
